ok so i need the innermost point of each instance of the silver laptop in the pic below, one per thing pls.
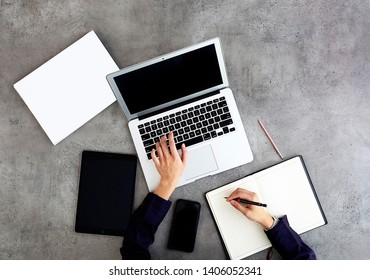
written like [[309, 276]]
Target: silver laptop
[[186, 92]]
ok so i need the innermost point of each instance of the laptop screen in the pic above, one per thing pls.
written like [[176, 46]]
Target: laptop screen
[[170, 79]]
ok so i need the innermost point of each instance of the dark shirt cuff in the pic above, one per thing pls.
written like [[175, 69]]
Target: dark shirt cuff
[[287, 242]]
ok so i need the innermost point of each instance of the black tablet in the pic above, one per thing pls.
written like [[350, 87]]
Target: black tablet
[[106, 193]]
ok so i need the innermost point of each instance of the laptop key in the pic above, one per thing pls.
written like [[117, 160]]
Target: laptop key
[[145, 137], [150, 155], [148, 143], [207, 136], [190, 142], [222, 104], [225, 123], [225, 116], [149, 148], [142, 131]]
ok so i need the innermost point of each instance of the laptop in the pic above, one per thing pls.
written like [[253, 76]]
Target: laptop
[[186, 92]]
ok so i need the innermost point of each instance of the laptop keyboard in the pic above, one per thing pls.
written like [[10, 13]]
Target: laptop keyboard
[[190, 126]]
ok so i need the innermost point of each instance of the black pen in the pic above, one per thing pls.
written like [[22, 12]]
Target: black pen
[[240, 200]]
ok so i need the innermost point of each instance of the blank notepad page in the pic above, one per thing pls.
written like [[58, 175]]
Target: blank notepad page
[[242, 237]]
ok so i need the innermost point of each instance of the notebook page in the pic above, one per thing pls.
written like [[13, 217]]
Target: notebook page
[[241, 236], [287, 191]]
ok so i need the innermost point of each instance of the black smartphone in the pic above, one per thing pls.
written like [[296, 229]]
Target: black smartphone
[[184, 225]]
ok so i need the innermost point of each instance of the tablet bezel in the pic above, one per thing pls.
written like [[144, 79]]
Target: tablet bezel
[[97, 155]]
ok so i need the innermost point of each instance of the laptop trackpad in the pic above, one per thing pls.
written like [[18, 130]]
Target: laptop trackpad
[[200, 162]]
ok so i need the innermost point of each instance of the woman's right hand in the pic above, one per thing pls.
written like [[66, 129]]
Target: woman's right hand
[[252, 212]]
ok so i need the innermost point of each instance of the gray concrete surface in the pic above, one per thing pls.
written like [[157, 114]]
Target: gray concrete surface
[[303, 67]]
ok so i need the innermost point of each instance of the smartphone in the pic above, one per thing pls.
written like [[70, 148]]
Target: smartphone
[[184, 225]]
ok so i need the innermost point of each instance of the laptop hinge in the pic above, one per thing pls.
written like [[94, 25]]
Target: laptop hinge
[[178, 105]]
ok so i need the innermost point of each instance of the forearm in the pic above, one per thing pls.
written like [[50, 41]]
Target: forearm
[[143, 226]]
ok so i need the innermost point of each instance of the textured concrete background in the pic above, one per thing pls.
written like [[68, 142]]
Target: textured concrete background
[[301, 66]]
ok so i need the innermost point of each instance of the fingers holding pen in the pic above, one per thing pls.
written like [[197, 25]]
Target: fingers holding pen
[[242, 193]]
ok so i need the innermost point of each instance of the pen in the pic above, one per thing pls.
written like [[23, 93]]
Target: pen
[[240, 200], [269, 137]]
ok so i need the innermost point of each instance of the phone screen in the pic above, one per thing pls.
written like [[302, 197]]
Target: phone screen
[[184, 225]]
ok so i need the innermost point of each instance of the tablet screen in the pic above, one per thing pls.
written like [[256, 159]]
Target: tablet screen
[[106, 193]]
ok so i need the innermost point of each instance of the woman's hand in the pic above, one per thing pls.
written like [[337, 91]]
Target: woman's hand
[[169, 164], [252, 212]]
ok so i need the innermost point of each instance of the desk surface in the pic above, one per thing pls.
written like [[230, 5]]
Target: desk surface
[[302, 68]]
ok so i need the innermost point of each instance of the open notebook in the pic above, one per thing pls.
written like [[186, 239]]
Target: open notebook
[[286, 188]]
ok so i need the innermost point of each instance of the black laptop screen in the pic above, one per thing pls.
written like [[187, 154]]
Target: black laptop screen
[[170, 79]]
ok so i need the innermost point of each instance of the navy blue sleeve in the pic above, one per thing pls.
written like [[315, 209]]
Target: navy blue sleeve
[[288, 243], [143, 226]]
